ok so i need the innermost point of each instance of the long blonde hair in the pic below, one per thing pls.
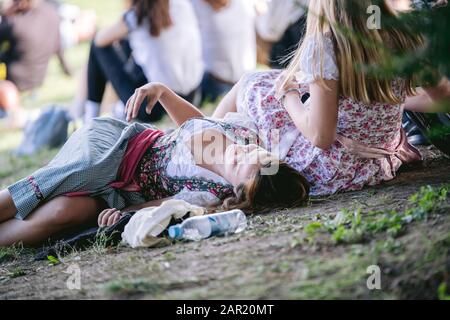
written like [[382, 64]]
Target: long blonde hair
[[356, 45]]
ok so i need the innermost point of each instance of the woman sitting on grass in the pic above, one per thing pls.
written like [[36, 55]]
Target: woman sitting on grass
[[109, 165]]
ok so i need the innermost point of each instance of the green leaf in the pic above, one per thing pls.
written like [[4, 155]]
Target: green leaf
[[52, 260], [442, 295], [313, 227]]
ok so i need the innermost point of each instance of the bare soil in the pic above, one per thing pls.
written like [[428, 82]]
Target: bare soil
[[270, 260]]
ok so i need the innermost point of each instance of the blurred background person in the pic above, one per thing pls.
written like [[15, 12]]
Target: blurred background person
[[282, 23], [9, 94], [229, 43], [31, 33], [155, 41], [76, 25], [35, 28]]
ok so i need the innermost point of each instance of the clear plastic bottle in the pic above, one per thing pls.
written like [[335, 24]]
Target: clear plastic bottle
[[202, 227]]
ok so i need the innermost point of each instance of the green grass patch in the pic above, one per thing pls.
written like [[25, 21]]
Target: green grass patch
[[133, 287], [11, 253], [355, 226]]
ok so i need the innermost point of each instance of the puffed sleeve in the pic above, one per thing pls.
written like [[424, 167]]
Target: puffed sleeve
[[310, 61], [199, 198], [130, 19]]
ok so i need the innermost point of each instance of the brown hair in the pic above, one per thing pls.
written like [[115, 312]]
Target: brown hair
[[218, 4], [285, 189], [156, 12]]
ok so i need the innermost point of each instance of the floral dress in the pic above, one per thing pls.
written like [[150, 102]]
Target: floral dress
[[168, 168], [337, 169]]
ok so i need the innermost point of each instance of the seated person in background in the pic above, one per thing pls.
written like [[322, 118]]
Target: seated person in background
[[76, 25], [35, 27], [165, 43], [229, 43], [283, 24]]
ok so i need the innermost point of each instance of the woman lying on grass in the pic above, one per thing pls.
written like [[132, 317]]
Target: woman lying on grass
[[109, 166]]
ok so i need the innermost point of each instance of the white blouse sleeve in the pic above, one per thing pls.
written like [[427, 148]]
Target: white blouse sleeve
[[131, 20], [199, 198], [280, 15], [311, 61]]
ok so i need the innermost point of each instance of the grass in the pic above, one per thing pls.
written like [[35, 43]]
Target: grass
[[102, 243], [354, 226], [276, 263], [16, 273], [10, 253]]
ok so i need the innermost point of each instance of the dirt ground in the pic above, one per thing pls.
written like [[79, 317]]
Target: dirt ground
[[282, 255]]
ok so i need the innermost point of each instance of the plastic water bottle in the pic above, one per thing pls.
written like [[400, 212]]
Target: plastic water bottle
[[202, 227]]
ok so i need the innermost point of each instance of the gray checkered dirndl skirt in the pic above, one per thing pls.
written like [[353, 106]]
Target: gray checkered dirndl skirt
[[89, 161]]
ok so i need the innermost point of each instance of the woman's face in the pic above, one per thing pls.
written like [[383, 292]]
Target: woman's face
[[243, 162]]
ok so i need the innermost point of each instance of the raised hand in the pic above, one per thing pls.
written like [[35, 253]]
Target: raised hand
[[151, 91]]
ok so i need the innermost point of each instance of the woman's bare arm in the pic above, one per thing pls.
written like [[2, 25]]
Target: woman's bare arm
[[428, 99], [317, 121], [228, 103], [111, 34], [178, 109]]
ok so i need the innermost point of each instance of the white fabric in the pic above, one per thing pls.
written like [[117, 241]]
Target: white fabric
[[240, 119], [68, 13], [91, 111], [280, 149], [199, 198], [279, 146], [280, 15], [228, 38], [285, 143], [310, 61], [119, 111], [175, 57], [182, 163], [147, 224]]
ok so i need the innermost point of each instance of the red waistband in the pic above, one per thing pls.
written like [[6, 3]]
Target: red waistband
[[137, 146]]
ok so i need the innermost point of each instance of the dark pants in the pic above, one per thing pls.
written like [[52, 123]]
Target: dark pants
[[288, 44], [116, 65], [212, 88]]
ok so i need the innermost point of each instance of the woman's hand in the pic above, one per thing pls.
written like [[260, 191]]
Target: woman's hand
[[151, 91], [109, 217], [281, 86]]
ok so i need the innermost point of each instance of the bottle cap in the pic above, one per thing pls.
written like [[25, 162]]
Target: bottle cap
[[175, 232]]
